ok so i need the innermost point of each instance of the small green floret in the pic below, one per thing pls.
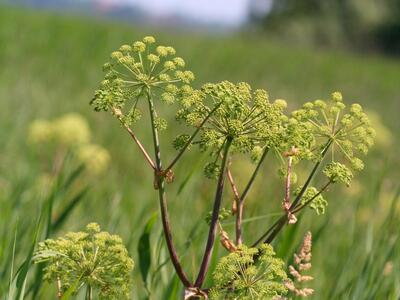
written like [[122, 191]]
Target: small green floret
[[318, 204], [338, 172], [94, 258]]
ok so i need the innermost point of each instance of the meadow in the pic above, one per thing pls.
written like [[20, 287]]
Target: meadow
[[51, 64]]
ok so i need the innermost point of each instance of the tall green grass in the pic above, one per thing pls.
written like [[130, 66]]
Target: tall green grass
[[51, 64]]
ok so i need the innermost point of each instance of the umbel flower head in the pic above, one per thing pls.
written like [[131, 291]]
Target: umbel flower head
[[238, 276], [318, 204], [348, 130], [92, 257], [236, 112], [137, 70]]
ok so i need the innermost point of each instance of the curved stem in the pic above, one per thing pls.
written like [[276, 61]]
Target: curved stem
[[163, 201], [239, 214], [214, 218], [118, 113]]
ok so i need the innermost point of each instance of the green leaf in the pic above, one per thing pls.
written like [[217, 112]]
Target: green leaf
[[11, 287], [172, 292], [22, 273], [144, 248]]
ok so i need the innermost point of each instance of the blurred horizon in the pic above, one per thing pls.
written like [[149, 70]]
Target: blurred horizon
[[206, 14], [360, 26]]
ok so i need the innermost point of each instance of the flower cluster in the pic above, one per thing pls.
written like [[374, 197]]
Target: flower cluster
[[318, 204], [348, 130], [302, 262], [93, 257], [139, 70], [235, 112], [338, 172], [244, 115], [71, 132], [238, 276]]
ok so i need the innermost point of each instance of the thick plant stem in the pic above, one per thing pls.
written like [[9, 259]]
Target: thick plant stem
[[89, 293], [163, 202], [239, 213], [214, 218]]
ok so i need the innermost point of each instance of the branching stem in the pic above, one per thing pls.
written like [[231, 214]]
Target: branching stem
[[240, 207], [118, 113], [163, 200], [214, 218], [301, 206], [272, 232]]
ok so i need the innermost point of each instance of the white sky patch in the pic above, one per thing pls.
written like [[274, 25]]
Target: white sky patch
[[228, 12]]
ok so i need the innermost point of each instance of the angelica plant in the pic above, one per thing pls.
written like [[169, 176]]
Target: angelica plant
[[92, 258], [226, 120]]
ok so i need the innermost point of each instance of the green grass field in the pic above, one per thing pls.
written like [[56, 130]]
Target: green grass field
[[51, 64]]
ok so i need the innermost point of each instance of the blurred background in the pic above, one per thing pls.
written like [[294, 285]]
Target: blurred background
[[51, 53]]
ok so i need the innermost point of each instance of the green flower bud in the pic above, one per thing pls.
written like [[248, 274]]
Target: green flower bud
[[179, 62], [211, 170], [180, 141], [116, 55], [153, 58], [171, 50], [337, 96], [160, 123], [149, 40], [139, 46], [357, 164], [162, 51], [169, 65], [338, 172], [168, 98], [318, 204], [280, 103], [125, 49]]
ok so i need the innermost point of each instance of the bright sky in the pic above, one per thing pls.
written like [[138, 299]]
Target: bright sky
[[228, 12]]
